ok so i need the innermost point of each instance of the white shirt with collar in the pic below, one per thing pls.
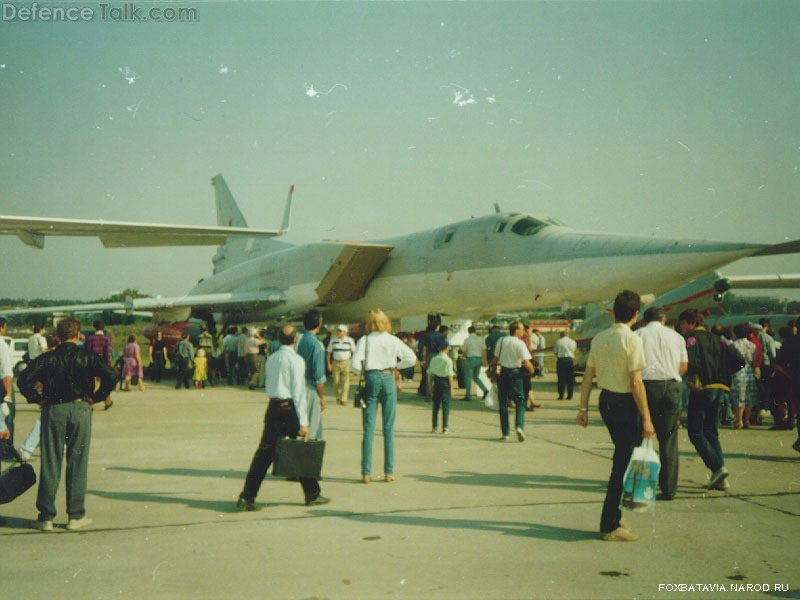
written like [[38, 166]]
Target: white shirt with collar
[[286, 378], [511, 351], [341, 349], [6, 368], [474, 346], [664, 351], [37, 344], [565, 347], [385, 352]]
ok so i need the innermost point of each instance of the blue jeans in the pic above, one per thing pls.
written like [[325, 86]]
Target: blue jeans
[[509, 388], [472, 372], [704, 409], [621, 418], [380, 389], [32, 441]]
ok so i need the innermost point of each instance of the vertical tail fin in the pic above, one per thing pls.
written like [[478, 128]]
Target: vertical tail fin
[[236, 250], [287, 212], [228, 213]]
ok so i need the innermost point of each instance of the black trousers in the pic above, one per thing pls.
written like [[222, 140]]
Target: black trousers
[[565, 370], [279, 421], [621, 417], [664, 398], [185, 372], [158, 367]]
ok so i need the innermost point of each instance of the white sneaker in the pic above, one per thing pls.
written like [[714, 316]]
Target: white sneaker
[[435, 430], [74, 524], [25, 455], [520, 434], [44, 525], [445, 431]]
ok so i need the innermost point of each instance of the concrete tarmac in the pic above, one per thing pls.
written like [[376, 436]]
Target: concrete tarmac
[[470, 515]]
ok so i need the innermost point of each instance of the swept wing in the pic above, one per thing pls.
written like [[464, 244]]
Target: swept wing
[[124, 234]]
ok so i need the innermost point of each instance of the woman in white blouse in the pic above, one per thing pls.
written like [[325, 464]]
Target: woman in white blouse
[[378, 354]]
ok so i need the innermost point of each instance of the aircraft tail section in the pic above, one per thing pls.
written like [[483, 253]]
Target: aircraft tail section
[[228, 213], [238, 250]]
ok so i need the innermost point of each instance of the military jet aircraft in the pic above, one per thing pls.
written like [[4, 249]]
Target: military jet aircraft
[[468, 270]]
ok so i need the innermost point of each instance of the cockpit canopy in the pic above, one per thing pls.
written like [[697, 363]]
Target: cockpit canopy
[[523, 224]]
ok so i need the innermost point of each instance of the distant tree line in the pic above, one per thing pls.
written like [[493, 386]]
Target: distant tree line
[[110, 317]]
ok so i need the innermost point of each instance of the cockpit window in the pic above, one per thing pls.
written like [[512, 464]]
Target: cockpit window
[[500, 226], [527, 226], [444, 237]]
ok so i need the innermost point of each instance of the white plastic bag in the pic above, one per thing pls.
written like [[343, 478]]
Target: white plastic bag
[[490, 401], [484, 380], [641, 479]]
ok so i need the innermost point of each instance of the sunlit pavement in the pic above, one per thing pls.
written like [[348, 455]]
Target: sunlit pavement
[[470, 516]]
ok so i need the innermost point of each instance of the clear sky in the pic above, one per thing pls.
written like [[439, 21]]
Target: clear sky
[[665, 118]]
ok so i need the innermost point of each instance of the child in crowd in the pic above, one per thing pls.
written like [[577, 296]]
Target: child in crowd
[[440, 380], [200, 369]]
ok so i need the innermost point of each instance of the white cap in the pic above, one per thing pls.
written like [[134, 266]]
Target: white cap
[[342, 328]]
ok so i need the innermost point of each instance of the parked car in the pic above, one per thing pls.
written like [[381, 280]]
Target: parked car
[[19, 353]]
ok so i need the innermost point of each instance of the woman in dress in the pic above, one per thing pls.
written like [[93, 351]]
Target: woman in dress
[[158, 355], [378, 354], [744, 394], [133, 364]]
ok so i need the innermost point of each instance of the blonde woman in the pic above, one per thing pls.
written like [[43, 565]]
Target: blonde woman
[[378, 354]]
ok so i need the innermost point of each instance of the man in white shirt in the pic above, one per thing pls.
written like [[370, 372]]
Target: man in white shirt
[[564, 349], [512, 355], [538, 344], [340, 350], [7, 402], [230, 343], [474, 348], [252, 345], [287, 415], [6, 388], [241, 367], [666, 359], [37, 344]]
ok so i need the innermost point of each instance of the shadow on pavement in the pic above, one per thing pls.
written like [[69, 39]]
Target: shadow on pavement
[[516, 480], [524, 529]]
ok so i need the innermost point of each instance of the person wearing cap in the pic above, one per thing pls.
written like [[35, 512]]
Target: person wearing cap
[[340, 351], [440, 380]]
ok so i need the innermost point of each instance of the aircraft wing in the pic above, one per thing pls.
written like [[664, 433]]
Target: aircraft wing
[[351, 272], [123, 234], [778, 281], [206, 302]]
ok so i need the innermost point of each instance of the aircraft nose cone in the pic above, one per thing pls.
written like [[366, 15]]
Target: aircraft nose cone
[[608, 263]]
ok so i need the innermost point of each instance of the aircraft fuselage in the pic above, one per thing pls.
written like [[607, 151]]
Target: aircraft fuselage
[[479, 267]]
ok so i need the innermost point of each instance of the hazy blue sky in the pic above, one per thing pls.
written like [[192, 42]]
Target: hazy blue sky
[[666, 118]]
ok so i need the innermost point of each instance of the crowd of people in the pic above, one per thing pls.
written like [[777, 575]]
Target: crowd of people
[[648, 374]]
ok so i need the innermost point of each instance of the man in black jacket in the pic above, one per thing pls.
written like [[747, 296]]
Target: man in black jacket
[[67, 375], [711, 365]]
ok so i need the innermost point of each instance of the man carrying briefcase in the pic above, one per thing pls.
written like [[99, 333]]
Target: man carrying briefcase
[[287, 415]]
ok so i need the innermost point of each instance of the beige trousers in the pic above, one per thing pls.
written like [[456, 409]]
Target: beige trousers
[[341, 379]]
